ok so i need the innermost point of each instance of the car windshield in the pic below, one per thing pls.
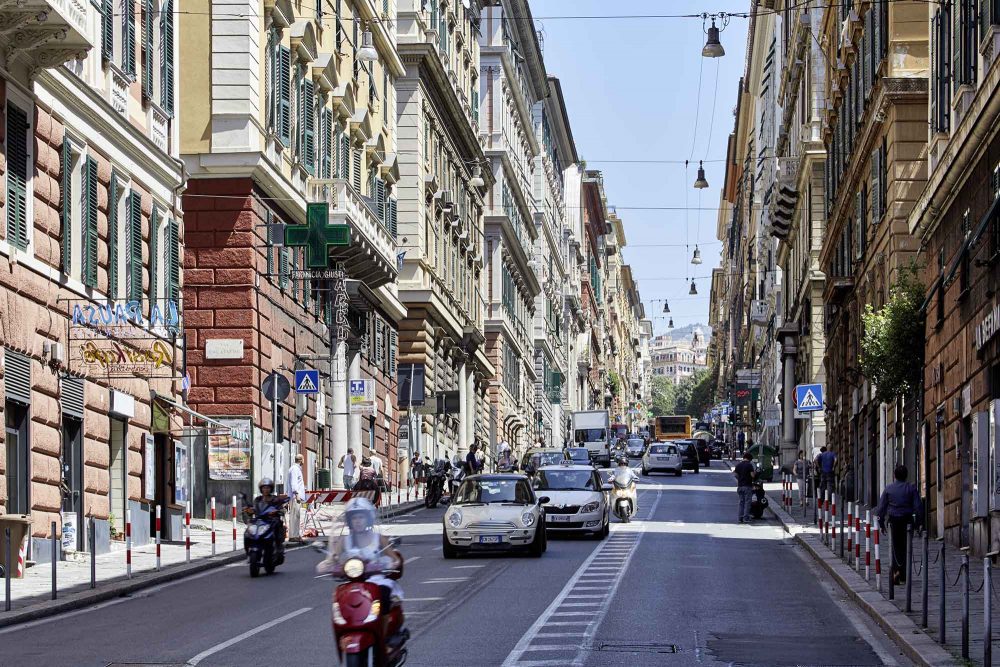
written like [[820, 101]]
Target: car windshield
[[591, 435], [476, 491], [566, 480], [539, 459], [579, 454], [635, 442], [662, 449]]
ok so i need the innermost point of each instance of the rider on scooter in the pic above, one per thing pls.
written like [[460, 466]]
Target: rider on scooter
[[260, 506], [626, 478]]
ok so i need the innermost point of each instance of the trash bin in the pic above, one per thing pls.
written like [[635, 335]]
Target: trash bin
[[323, 478], [20, 525]]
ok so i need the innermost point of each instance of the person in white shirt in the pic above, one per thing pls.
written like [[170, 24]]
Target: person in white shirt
[[377, 465], [348, 463], [295, 487]]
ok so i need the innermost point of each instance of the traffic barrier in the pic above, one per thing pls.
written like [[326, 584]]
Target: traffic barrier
[[234, 523], [820, 501], [857, 541], [338, 496], [965, 602], [128, 544], [158, 538], [22, 556], [878, 558], [187, 532], [868, 545], [833, 521], [850, 531], [54, 559], [6, 573], [909, 568], [784, 491], [213, 525]]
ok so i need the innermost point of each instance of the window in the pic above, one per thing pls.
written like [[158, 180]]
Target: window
[[128, 36], [133, 265], [278, 72], [89, 222], [941, 66], [965, 43], [306, 121], [72, 205], [155, 262], [19, 162], [114, 193]]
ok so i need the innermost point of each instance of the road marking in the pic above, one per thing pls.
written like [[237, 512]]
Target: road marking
[[411, 559], [463, 567], [445, 580], [422, 599], [249, 633]]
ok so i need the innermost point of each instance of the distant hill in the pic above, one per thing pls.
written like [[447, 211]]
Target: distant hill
[[685, 332]]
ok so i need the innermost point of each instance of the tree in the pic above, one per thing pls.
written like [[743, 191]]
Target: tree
[[664, 396], [694, 394], [893, 341]]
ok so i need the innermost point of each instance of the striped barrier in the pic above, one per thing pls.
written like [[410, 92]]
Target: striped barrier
[[187, 532], [234, 523], [857, 542], [213, 525], [868, 545], [128, 544], [157, 538], [325, 496], [878, 560], [833, 521], [850, 531]]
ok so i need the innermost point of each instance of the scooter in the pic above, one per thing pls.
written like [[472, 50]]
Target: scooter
[[435, 485], [364, 634], [623, 496], [260, 539]]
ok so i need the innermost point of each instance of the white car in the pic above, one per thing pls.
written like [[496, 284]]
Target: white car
[[494, 512], [577, 498], [635, 447], [663, 457]]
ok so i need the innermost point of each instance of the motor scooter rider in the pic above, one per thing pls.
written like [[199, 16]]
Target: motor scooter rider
[[626, 477], [259, 508]]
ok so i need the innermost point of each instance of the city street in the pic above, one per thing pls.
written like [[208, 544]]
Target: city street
[[682, 584]]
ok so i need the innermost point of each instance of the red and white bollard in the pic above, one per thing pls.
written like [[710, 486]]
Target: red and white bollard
[[187, 532], [850, 531], [213, 525], [234, 523], [878, 560], [833, 521], [821, 499], [868, 545], [128, 544], [158, 538], [784, 490], [857, 541]]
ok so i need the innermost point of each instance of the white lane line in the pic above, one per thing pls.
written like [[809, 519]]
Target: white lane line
[[411, 559], [571, 613], [445, 580], [249, 633], [465, 567], [422, 600], [555, 647]]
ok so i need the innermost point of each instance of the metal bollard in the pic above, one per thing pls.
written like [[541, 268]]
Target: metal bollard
[[6, 574], [55, 558], [868, 545], [187, 532], [93, 553], [909, 567], [988, 609], [878, 555], [128, 544], [857, 539], [840, 532], [234, 523], [159, 527], [943, 597], [213, 525], [925, 579], [850, 532], [965, 603]]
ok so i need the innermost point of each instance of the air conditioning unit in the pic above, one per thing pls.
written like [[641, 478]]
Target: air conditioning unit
[[54, 352]]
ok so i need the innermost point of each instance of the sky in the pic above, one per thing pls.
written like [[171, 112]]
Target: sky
[[632, 90]]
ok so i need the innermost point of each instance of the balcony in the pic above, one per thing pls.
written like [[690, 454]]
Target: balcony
[[44, 33], [371, 257]]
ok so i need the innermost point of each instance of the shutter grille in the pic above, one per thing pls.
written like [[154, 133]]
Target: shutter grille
[[90, 223], [17, 177], [135, 247], [393, 344], [17, 377], [356, 168], [174, 262], [67, 207], [128, 36], [393, 223], [284, 85], [71, 396], [154, 259], [107, 30], [308, 120], [167, 57], [113, 237], [147, 49]]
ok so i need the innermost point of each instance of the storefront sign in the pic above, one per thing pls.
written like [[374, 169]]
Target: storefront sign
[[759, 311], [340, 306], [362, 397], [181, 466], [224, 348], [229, 454], [116, 339], [148, 467], [988, 327], [125, 319], [113, 358]]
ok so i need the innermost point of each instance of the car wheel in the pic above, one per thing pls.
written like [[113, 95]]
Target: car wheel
[[537, 547], [447, 549], [607, 527], [678, 472], [645, 470]]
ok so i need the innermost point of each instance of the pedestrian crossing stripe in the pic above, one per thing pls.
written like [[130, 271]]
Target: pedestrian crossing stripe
[[809, 400], [306, 384]]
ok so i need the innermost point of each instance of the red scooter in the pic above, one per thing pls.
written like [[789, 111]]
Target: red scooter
[[365, 636]]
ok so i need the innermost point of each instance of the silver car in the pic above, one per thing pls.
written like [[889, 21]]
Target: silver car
[[663, 457], [577, 498], [635, 447]]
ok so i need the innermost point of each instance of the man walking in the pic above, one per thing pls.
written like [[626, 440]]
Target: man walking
[[348, 463], [900, 504], [296, 487], [801, 471], [825, 462], [473, 466], [744, 486]]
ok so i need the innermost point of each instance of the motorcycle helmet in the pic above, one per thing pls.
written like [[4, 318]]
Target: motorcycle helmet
[[357, 509], [266, 481]]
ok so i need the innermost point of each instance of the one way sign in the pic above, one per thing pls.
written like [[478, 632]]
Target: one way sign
[[307, 381], [809, 397]]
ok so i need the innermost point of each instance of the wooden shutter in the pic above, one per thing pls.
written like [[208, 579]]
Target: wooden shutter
[[90, 222], [107, 30], [147, 49], [154, 259], [66, 206], [308, 120], [113, 237], [135, 247], [268, 220], [17, 177], [876, 41], [356, 168], [876, 187], [345, 157], [174, 262], [284, 86], [283, 268], [167, 57], [393, 223], [128, 36], [957, 62], [295, 266], [867, 42]]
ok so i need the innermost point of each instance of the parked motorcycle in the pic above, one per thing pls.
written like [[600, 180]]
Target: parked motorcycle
[[436, 477], [263, 539]]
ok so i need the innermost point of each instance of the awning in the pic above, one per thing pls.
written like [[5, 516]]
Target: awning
[[157, 398]]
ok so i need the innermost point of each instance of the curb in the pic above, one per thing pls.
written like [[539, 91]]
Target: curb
[[914, 642], [120, 587]]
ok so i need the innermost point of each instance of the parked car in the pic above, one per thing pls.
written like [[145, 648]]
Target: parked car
[[494, 512], [578, 455], [663, 457], [704, 452], [542, 456], [717, 448], [689, 454], [635, 447], [577, 498]]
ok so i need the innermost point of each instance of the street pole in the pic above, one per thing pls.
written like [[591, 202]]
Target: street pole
[[274, 432]]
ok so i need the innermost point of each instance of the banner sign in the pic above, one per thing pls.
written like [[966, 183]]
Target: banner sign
[[116, 339], [361, 395], [229, 454]]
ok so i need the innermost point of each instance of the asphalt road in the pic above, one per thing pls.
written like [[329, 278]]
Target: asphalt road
[[681, 585]]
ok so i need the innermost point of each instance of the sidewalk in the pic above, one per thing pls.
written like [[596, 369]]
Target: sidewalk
[[922, 645], [31, 597]]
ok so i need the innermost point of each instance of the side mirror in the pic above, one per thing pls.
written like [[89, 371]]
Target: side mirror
[[607, 487], [543, 500]]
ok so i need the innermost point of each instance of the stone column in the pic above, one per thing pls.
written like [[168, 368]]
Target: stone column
[[353, 421], [470, 404], [338, 389], [463, 410], [789, 445]]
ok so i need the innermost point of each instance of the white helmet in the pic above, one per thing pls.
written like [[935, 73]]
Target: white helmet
[[360, 507]]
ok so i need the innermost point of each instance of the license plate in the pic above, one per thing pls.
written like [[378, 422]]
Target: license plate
[[490, 539], [664, 459], [557, 518]]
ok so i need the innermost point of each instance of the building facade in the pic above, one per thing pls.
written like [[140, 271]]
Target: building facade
[[678, 358]]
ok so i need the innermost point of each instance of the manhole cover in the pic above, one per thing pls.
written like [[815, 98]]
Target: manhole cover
[[636, 647]]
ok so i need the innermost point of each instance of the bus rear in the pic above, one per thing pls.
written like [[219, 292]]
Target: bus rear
[[672, 427]]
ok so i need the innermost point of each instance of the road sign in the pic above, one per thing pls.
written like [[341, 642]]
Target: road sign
[[317, 235], [809, 397], [307, 381], [275, 383], [361, 397]]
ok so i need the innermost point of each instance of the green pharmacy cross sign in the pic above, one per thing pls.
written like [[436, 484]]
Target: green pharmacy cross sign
[[317, 235]]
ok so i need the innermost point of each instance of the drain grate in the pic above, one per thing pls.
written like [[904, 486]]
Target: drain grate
[[635, 647]]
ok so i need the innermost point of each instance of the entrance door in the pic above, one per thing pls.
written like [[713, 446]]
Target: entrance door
[[964, 443], [72, 473], [117, 493], [17, 473]]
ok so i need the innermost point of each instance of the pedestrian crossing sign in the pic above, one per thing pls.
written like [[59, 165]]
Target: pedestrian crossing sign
[[809, 397], [307, 381]]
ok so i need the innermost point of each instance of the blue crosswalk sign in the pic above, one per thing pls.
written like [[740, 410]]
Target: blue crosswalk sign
[[307, 382], [809, 397]]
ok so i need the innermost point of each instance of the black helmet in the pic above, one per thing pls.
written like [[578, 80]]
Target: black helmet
[[266, 481]]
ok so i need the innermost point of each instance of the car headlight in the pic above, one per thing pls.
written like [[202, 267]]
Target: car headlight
[[590, 507], [354, 568], [455, 519], [528, 519]]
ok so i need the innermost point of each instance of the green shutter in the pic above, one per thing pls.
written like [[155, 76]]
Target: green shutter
[[134, 288], [393, 344], [17, 177], [66, 206], [393, 223], [154, 259], [90, 223], [167, 57], [284, 85], [356, 168], [326, 151], [147, 49], [308, 120], [379, 196], [345, 157], [295, 282], [113, 237], [107, 30], [283, 268], [174, 262], [128, 36], [268, 219]]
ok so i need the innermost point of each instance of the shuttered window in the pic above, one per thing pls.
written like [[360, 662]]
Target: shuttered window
[[283, 72], [66, 206], [167, 56], [295, 266], [154, 256], [17, 177], [941, 70], [113, 237], [393, 223], [356, 168], [878, 43], [147, 49], [128, 36], [134, 265], [345, 157], [378, 194], [964, 43], [867, 40], [108, 30], [326, 144], [283, 268], [90, 222], [307, 125], [393, 348], [17, 377], [173, 290], [268, 221]]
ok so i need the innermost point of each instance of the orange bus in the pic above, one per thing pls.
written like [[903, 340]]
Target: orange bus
[[671, 427]]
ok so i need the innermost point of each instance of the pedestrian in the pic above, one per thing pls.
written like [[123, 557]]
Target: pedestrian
[[472, 463], [378, 466], [900, 503], [296, 488], [741, 441], [744, 474], [801, 471], [825, 463], [349, 464]]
